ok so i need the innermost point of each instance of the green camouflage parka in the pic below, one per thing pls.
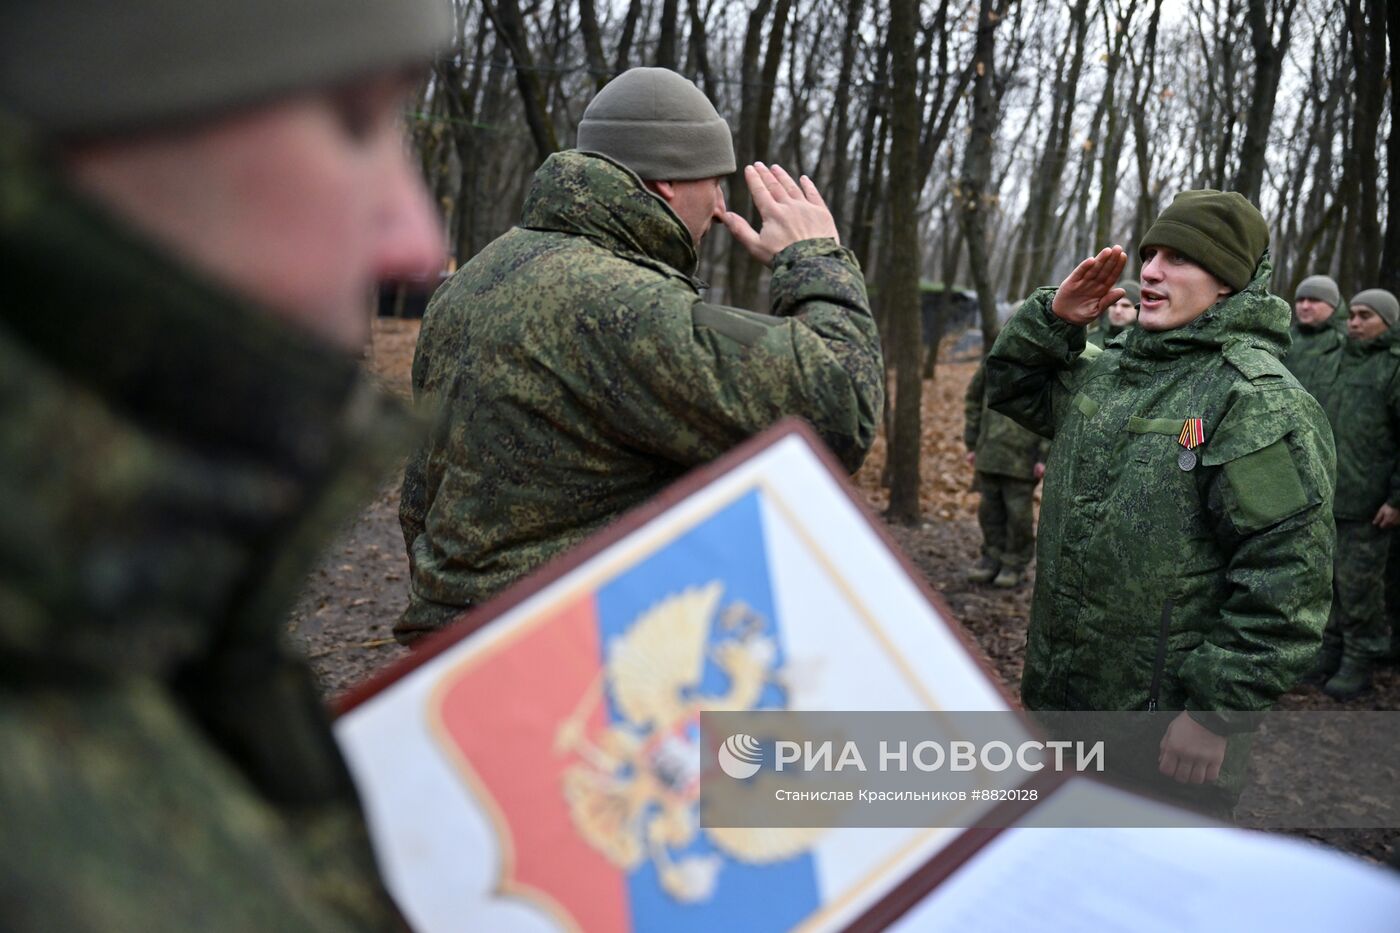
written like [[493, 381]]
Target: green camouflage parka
[[1316, 352], [1002, 446], [577, 371], [1203, 589], [1363, 406], [170, 462]]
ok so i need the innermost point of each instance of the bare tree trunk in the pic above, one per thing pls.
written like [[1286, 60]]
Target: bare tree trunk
[[1268, 68], [1390, 251], [629, 31], [666, 42], [592, 43], [757, 122], [974, 198], [841, 145], [902, 283], [1045, 185], [510, 26]]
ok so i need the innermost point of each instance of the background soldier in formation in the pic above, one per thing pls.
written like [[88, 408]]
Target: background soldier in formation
[[1120, 315], [1008, 461], [1186, 535], [1318, 332], [578, 368], [1362, 399], [187, 241]]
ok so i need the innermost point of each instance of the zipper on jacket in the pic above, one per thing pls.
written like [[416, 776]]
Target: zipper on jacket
[[1161, 660]]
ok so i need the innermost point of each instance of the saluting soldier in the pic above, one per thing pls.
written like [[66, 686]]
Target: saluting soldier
[[578, 367], [1186, 532]]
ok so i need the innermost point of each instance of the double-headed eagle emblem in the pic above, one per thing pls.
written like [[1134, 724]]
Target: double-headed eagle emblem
[[633, 792]]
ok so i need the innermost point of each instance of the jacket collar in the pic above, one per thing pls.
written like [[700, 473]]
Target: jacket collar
[[588, 194]]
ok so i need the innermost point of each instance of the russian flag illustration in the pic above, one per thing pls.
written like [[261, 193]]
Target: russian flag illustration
[[580, 738]]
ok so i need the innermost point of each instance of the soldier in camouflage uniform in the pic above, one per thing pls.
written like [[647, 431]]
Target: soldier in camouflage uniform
[[1363, 405], [1319, 332], [577, 368], [1175, 573], [184, 422], [1009, 461], [1120, 315]]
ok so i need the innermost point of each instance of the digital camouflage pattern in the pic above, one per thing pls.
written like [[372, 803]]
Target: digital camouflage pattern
[[1358, 623], [1226, 566], [1316, 352], [1363, 406], [1002, 446], [170, 462], [577, 371], [1006, 455], [1006, 515], [1102, 331]]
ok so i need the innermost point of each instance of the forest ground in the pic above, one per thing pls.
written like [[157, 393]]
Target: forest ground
[[344, 617]]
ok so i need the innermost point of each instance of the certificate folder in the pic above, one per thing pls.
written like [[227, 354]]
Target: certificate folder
[[536, 766]]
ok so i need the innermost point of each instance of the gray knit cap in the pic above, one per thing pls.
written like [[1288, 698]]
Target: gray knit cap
[[1133, 288], [87, 67], [1321, 288], [659, 125], [1380, 301]]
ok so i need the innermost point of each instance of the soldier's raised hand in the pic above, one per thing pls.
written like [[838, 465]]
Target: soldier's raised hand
[[1089, 290], [789, 211]]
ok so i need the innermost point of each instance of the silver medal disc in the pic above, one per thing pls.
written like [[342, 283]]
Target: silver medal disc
[[1186, 460]]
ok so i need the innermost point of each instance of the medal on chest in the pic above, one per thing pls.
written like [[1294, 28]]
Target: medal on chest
[[1193, 435]]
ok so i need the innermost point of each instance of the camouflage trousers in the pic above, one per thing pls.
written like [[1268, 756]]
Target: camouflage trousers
[[1007, 516], [1358, 620]]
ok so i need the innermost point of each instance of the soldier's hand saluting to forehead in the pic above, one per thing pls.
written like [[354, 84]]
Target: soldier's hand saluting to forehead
[[790, 211], [1089, 291]]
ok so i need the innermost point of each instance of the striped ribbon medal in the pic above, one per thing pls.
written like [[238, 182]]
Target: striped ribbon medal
[[1193, 435]]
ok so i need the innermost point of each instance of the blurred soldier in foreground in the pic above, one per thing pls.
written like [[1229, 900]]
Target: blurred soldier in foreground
[[1363, 404], [1008, 461], [1319, 331], [1184, 560], [196, 200], [1120, 315], [579, 371]]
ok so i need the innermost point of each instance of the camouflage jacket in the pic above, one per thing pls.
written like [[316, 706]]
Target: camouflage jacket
[[1363, 405], [1316, 353], [1101, 331], [577, 372], [1002, 446], [170, 461], [1196, 581]]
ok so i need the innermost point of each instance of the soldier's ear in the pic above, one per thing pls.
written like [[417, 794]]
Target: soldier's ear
[[665, 190]]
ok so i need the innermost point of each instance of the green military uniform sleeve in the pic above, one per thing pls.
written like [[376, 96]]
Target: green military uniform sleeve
[[1273, 498], [692, 379], [1034, 365]]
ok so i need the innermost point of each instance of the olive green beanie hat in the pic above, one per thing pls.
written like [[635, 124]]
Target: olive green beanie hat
[[659, 125], [1321, 288], [1133, 288], [92, 67], [1219, 230], [1380, 301]]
